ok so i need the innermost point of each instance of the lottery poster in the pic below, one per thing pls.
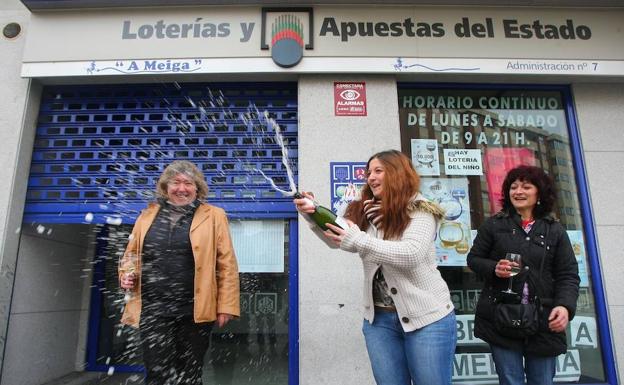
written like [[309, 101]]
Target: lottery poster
[[454, 237], [425, 156], [578, 245]]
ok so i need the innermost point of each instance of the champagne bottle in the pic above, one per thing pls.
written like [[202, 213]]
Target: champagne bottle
[[322, 215]]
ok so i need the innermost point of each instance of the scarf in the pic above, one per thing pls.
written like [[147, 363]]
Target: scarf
[[176, 212], [372, 210]]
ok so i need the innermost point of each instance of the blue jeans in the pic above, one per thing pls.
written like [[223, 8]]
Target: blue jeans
[[422, 357], [511, 368]]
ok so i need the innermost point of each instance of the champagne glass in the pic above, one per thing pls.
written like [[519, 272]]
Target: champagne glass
[[516, 266], [129, 264]]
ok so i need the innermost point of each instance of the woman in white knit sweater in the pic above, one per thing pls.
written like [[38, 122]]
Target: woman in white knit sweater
[[409, 324]]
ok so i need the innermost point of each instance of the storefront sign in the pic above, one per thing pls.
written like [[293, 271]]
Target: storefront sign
[[350, 99], [465, 330], [290, 31], [583, 332], [327, 40], [478, 368], [146, 66], [462, 162]]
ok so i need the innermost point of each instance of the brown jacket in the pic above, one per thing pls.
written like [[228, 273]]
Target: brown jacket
[[216, 284]]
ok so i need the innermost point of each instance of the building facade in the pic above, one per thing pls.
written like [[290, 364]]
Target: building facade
[[265, 97]]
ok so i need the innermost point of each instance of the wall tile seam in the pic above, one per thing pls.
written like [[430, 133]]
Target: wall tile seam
[[49, 311]]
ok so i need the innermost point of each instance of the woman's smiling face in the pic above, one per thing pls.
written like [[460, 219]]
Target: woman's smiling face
[[375, 180], [181, 190], [523, 195]]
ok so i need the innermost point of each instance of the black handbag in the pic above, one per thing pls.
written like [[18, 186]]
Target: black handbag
[[517, 320]]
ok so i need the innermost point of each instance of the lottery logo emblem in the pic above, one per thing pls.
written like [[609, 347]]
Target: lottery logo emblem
[[283, 33], [287, 40]]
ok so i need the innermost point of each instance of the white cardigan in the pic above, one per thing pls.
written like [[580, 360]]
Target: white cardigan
[[420, 295]]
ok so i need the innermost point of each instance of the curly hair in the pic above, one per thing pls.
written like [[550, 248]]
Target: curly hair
[[401, 183], [182, 167], [546, 194]]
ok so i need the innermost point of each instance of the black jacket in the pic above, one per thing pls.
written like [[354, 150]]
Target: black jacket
[[559, 285]]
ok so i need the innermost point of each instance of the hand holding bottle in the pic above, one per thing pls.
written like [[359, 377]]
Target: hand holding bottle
[[336, 234], [305, 202], [320, 215]]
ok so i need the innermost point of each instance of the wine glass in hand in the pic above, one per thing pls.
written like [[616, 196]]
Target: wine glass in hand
[[515, 267], [128, 266]]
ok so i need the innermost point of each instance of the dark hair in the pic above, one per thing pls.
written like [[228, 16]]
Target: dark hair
[[401, 183], [546, 193]]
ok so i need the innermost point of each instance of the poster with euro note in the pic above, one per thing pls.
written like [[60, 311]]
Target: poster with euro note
[[454, 237], [425, 156]]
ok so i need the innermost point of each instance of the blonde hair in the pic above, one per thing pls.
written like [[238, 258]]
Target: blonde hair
[[186, 168]]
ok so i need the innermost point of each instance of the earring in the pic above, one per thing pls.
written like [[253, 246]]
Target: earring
[[539, 202]]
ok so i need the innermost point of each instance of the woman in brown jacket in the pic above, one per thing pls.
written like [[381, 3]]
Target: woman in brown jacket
[[181, 274]]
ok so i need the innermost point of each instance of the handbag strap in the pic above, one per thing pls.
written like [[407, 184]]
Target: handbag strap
[[539, 277]]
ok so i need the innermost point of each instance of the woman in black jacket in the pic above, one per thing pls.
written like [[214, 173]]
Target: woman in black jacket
[[526, 226]]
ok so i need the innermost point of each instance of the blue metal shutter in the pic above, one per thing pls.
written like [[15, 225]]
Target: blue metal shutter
[[99, 150]]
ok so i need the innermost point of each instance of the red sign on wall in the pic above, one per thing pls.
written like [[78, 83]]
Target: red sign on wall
[[350, 99]]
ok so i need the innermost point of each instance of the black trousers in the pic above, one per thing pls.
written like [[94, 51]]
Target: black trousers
[[173, 349]]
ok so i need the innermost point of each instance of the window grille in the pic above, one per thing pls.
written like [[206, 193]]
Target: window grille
[[99, 150]]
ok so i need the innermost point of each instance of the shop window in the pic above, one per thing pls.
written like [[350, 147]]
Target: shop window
[[462, 142], [561, 161], [256, 345]]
